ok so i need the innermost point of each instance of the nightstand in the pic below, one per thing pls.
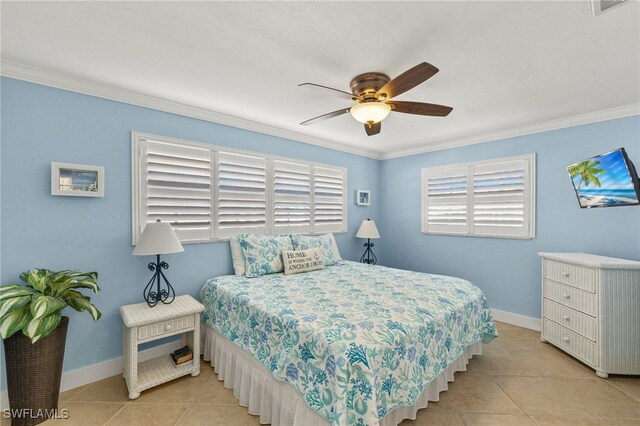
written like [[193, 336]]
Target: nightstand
[[144, 324]]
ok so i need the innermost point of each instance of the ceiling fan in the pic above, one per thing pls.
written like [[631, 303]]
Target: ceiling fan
[[373, 92]]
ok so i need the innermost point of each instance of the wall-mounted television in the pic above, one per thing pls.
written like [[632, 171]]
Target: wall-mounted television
[[606, 180]]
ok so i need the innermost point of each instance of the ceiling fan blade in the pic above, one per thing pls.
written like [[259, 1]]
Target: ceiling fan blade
[[330, 90], [408, 80], [420, 108], [325, 116], [374, 129]]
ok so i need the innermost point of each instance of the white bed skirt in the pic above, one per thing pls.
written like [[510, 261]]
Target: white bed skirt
[[277, 403]]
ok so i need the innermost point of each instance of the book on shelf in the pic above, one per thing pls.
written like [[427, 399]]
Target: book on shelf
[[182, 355]]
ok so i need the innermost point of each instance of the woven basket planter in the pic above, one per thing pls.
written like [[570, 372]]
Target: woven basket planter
[[33, 375]]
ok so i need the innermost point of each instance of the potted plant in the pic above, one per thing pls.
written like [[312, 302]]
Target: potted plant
[[34, 356]]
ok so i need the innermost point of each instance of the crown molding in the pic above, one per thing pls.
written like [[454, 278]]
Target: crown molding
[[89, 87], [560, 123]]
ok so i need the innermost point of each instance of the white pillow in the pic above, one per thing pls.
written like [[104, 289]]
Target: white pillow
[[302, 260], [237, 256], [334, 246]]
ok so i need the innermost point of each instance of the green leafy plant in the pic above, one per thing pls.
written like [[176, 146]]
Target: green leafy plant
[[36, 308]]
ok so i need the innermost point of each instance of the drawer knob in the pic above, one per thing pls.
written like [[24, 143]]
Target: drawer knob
[[566, 296], [566, 339], [167, 327], [565, 274], [566, 317]]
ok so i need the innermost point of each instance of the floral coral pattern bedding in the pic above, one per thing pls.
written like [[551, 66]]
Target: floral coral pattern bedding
[[354, 340]]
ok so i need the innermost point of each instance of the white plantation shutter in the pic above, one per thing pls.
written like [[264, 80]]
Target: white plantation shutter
[[209, 193], [329, 194], [241, 198], [291, 197], [176, 189], [493, 198], [446, 200], [499, 194]]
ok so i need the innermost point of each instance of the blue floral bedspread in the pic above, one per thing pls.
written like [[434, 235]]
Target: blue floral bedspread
[[354, 340]]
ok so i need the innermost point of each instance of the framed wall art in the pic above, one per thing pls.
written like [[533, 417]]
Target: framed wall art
[[363, 197], [77, 180]]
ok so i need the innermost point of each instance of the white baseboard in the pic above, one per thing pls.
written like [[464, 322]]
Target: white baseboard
[[101, 370], [516, 319]]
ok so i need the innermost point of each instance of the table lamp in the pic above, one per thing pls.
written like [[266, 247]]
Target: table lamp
[[158, 238], [368, 230]]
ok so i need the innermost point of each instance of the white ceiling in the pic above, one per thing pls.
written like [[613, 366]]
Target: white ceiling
[[503, 65]]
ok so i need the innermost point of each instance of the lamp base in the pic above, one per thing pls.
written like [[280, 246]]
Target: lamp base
[[153, 292], [368, 256]]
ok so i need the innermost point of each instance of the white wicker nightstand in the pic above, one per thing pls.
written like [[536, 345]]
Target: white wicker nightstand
[[144, 324]]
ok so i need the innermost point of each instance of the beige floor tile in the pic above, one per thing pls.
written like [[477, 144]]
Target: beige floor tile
[[552, 364], [67, 395], [213, 392], [183, 390], [79, 412], [113, 389], [473, 367], [628, 384], [552, 396], [501, 362], [516, 368], [582, 421], [442, 404], [434, 418], [504, 328], [148, 414], [479, 394], [218, 415], [475, 419]]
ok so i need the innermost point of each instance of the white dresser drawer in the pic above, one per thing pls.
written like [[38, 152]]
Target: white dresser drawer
[[580, 300], [582, 324], [575, 276], [570, 342], [165, 327]]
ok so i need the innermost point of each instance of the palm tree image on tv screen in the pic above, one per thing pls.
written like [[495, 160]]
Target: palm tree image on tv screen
[[606, 180]]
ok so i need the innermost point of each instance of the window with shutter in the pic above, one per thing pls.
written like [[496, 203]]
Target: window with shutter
[[209, 193], [291, 197], [329, 207], [446, 200], [241, 194], [494, 198], [176, 189]]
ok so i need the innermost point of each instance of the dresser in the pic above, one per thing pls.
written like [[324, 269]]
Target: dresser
[[591, 310]]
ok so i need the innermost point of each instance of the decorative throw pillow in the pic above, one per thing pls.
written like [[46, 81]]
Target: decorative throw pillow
[[323, 242], [334, 246], [262, 253], [237, 256], [302, 261]]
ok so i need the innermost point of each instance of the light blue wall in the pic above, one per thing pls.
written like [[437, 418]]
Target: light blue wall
[[508, 271], [42, 124]]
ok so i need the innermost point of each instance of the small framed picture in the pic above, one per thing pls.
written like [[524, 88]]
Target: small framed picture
[[363, 198], [77, 180]]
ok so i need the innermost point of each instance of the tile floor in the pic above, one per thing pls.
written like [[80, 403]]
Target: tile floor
[[517, 381]]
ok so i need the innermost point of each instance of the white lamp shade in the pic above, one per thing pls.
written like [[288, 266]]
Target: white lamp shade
[[157, 238], [368, 230], [370, 112]]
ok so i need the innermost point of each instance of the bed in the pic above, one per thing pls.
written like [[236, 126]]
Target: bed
[[351, 344]]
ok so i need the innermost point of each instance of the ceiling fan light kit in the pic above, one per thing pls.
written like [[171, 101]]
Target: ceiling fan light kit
[[372, 93], [370, 112]]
